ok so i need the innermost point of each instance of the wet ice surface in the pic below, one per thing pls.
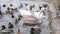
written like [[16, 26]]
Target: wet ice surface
[[26, 29]]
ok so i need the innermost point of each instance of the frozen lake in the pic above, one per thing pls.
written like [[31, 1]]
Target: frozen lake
[[26, 29]]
